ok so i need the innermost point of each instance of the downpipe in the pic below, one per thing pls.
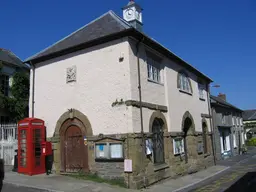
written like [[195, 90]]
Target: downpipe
[[33, 90], [141, 112]]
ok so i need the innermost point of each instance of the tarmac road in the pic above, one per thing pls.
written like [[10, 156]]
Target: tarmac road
[[223, 181], [13, 188]]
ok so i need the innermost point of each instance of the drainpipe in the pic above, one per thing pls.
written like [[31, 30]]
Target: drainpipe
[[212, 126], [33, 89], [141, 113]]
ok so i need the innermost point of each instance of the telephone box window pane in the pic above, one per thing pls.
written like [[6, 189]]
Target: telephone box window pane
[[37, 146], [23, 144]]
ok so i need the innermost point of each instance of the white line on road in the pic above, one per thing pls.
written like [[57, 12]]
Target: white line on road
[[201, 180]]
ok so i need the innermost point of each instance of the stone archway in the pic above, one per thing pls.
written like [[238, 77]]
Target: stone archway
[[71, 128], [157, 127], [188, 128]]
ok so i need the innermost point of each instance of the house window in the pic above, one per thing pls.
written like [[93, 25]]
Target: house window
[[237, 121], [178, 146], [241, 121], [223, 119], [201, 90], [158, 141], [153, 70], [233, 120], [234, 140], [184, 83], [5, 84]]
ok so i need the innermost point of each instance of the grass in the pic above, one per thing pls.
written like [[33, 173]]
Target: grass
[[96, 178]]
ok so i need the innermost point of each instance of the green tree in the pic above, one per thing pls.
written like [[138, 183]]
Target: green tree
[[17, 104]]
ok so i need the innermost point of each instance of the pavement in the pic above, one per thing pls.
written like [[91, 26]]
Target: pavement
[[213, 179]]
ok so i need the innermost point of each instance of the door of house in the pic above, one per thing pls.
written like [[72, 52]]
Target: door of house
[[76, 157]]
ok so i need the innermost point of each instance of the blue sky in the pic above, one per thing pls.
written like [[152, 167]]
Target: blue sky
[[217, 37]]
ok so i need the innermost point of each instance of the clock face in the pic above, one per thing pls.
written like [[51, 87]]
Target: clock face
[[129, 13]]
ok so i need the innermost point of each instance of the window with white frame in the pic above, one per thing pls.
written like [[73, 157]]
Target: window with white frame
[[201, 90], [234, 140], [154, 70], [241, 121], [5, 84], [237, 121], [178, 146], [184, 83], [233, 120], [223, 119]]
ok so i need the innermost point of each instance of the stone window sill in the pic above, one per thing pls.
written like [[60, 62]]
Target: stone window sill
[[156, 82], [159, 167], [182, 91]]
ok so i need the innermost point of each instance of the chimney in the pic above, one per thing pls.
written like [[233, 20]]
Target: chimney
[[222, 96]]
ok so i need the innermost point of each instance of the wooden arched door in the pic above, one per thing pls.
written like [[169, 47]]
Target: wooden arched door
[[76, 153]]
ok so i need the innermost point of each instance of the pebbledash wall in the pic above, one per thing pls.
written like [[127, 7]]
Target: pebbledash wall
[[105, 99]]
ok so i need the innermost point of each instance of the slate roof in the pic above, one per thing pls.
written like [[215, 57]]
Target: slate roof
[[107, 27], [249, 115], [218, 100], [9, 57]]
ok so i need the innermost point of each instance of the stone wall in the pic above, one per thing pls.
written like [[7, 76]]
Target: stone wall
[[144, 171]]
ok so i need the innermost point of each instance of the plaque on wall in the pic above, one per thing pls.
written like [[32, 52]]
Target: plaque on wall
[[116, 150], [71, 74], [200, 147]]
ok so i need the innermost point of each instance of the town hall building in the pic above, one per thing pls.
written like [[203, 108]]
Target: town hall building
[[117, 103]]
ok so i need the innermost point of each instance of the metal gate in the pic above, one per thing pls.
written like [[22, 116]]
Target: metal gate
[[8, 142]]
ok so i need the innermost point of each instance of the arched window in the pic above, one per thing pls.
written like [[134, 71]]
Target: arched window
[[158, 141], [184, 82], [204, 129]]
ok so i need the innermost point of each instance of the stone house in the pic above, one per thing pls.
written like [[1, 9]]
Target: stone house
[[227, 126], [249, 121], [9, 64], [117, 103]]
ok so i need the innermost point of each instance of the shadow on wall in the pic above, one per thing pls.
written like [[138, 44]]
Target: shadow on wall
[[246, 183]]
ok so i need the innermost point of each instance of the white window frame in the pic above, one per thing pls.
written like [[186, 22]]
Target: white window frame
[[233, 120], [184, 83], [234, 140], [201, 90], [241, 121], [223, 119], [180, 150], [154, 70]]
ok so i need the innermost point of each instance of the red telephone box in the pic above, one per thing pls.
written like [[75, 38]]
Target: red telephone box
[[31, 135]]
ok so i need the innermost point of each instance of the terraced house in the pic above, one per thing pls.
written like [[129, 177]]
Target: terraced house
[[228, 127], [119, 104]]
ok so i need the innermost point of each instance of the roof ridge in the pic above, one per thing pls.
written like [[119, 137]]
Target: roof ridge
[[68, 35], [120, 20]]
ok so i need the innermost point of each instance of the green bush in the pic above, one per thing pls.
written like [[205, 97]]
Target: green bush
[[251, 142]]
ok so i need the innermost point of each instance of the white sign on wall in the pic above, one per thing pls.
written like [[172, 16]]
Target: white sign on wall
[[127, 165]]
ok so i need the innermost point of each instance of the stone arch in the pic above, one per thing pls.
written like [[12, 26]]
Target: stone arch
[[74, 114], [188, 125], [158, 115]]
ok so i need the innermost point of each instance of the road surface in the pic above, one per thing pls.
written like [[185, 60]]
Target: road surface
[[13, 188], [243, 172]]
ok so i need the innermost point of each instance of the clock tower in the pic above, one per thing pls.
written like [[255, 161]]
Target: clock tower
[[132, 13]]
